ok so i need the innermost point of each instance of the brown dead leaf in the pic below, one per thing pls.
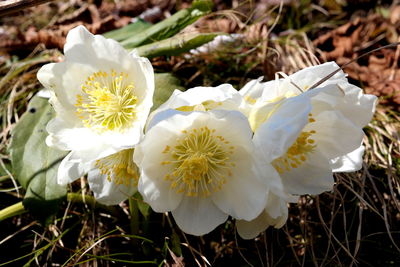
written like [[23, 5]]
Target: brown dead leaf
[[177, 261], [379, 72], [49, 24], [226, 25]]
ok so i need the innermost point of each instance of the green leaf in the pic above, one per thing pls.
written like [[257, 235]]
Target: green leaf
[[165, 84], [176, 243], [143, 207], [34, 163], [128, 30], [170, 26], [176, 45]]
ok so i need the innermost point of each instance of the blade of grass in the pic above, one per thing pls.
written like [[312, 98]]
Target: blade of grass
[[175, 45], [170, 26]]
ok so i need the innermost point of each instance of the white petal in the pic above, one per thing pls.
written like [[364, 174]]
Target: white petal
[[307, 77], [269, 176], [335, 135], [108, 192], [225, 95], [253, 89], [356, 106], [198, 216], [159, 116], [350, 162], [155, 191], [243, 196], [282, 128], [82, 141], [148, 156], [45, 93], [87, 142], [65, 80], [314, 176], [251, 229], [70, 170], [83, 47], [275, 214]]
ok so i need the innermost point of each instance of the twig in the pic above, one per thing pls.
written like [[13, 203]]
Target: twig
[[351, 61], [11, 6]]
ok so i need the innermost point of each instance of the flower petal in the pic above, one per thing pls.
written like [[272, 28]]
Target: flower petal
[[70, 169], [83, 47], [223, 96], [85, 144], [314, 176], [280, 130], [65, 80], [243, 196], [155, 191], [335, 135], [198, 216], [356, 106], [275, 214], [307, 77], [350, 162], [108, 192], [252, 90]]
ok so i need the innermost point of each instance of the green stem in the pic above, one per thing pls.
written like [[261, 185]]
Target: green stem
[[134, 212], [18, 208], [11, 211]]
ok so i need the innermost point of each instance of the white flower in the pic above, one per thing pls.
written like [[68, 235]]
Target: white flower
[[202, 166], [101, 94], [112, 179], [342, 96], [222, 97], [325, 142]]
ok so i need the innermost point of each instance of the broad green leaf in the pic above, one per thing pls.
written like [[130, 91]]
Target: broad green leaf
[[34, 163], [170, 26], [175, 45], [165, 84], [127, 31]]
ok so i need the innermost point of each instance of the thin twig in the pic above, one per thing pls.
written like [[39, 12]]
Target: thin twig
[[12, 6], [351, 61]]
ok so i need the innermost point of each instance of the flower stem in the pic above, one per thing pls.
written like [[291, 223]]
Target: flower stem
[[18, 208], [134, 212], [11, 211]]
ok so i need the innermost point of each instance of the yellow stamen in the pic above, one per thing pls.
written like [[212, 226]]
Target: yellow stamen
[[200, 162], [204, 106], [107, 101], [298, 153], [119, 168]]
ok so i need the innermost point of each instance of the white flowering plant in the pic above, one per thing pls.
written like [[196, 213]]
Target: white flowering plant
[[201, 158], [207, 153]]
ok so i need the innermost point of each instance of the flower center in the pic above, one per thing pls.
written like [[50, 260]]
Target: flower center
[[204, 106], [119, 168], [107, 101], [298, 153], [250, 100], [200, 161]]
